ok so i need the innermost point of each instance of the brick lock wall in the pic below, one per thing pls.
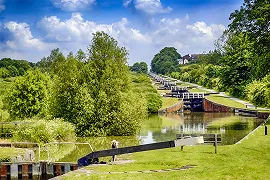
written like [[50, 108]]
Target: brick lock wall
[[210, 106]]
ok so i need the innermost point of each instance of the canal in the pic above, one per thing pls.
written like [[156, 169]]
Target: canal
[[157, 128]]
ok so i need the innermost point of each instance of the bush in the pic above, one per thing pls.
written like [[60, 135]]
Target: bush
[[28, 95], [142, 84], [258, 92], [154, 102], [44, 131]]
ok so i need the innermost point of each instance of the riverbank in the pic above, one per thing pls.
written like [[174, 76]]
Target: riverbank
[[248, 160]]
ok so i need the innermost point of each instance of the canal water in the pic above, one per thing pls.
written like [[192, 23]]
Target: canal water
[[158, 128]]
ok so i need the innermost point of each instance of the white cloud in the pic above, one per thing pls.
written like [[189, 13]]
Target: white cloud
[[150, 7], [22, 36], [187, 38], [23, 45], [2, 6], [76, 29], [73, 5], [76, 33]]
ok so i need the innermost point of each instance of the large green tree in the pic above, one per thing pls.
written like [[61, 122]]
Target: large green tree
[[29, 94], [117, 110], [253, 20], [166, 61], [70, 97], [237, 64]]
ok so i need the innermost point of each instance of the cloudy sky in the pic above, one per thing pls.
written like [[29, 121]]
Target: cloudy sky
[[30, 29]]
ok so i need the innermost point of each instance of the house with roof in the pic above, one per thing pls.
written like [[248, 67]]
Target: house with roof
[[188, 58]]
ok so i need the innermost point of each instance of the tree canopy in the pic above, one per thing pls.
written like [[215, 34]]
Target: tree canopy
[[252, 20], [140, 67], [11, 67], [166, 61], [29, 95]]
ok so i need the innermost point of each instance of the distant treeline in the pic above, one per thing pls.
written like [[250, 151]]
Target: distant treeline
[[11, 67]]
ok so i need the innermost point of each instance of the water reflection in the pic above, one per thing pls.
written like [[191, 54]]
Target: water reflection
[[164, 128]]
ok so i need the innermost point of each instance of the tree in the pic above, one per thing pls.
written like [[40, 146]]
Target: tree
[[50, 63], [4, 73], [81, 56], [70, 98], [237, 66], [28, 96], [110, 87], [15, 67], [253, 21], [140, 67], [166, 61]]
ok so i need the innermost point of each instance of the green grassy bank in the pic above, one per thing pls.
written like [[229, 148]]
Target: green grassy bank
[[248, 160], [225, 101]]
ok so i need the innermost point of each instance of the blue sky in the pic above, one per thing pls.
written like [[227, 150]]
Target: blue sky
[[30, 29]]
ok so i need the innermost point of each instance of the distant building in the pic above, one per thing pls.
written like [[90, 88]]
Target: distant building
[[188, 58]]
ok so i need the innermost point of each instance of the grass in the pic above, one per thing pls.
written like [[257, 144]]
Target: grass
[[248, 160], [167, 102], [184, 85], [196, 90], [225, 101], [6, 153], [163, 91]]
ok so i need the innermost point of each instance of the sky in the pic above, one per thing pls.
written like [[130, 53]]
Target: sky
[[30, 29]]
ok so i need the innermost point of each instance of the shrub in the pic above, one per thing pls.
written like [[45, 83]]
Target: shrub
[[44, 131], [258, 92], [154, 102]]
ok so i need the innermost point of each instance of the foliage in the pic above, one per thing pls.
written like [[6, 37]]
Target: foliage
[[154, 102], [81, 56], [140, 67], [207, 75], [142, 84], [7, 153], [253, 20], [95, 93], [70, 98], [166, 61], [212, 57], [241, 56], [11, 67], [237, 71], [44, 131], [28, 95], [110, 87], [50, 63], [258, 92]]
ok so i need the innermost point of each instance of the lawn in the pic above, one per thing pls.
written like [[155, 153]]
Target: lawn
[[167, 102], [248, 160], [196, 90], [163, 91], [225, 101], [184, 85]]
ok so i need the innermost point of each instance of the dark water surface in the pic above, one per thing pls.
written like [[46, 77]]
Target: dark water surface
[[163, 128]]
